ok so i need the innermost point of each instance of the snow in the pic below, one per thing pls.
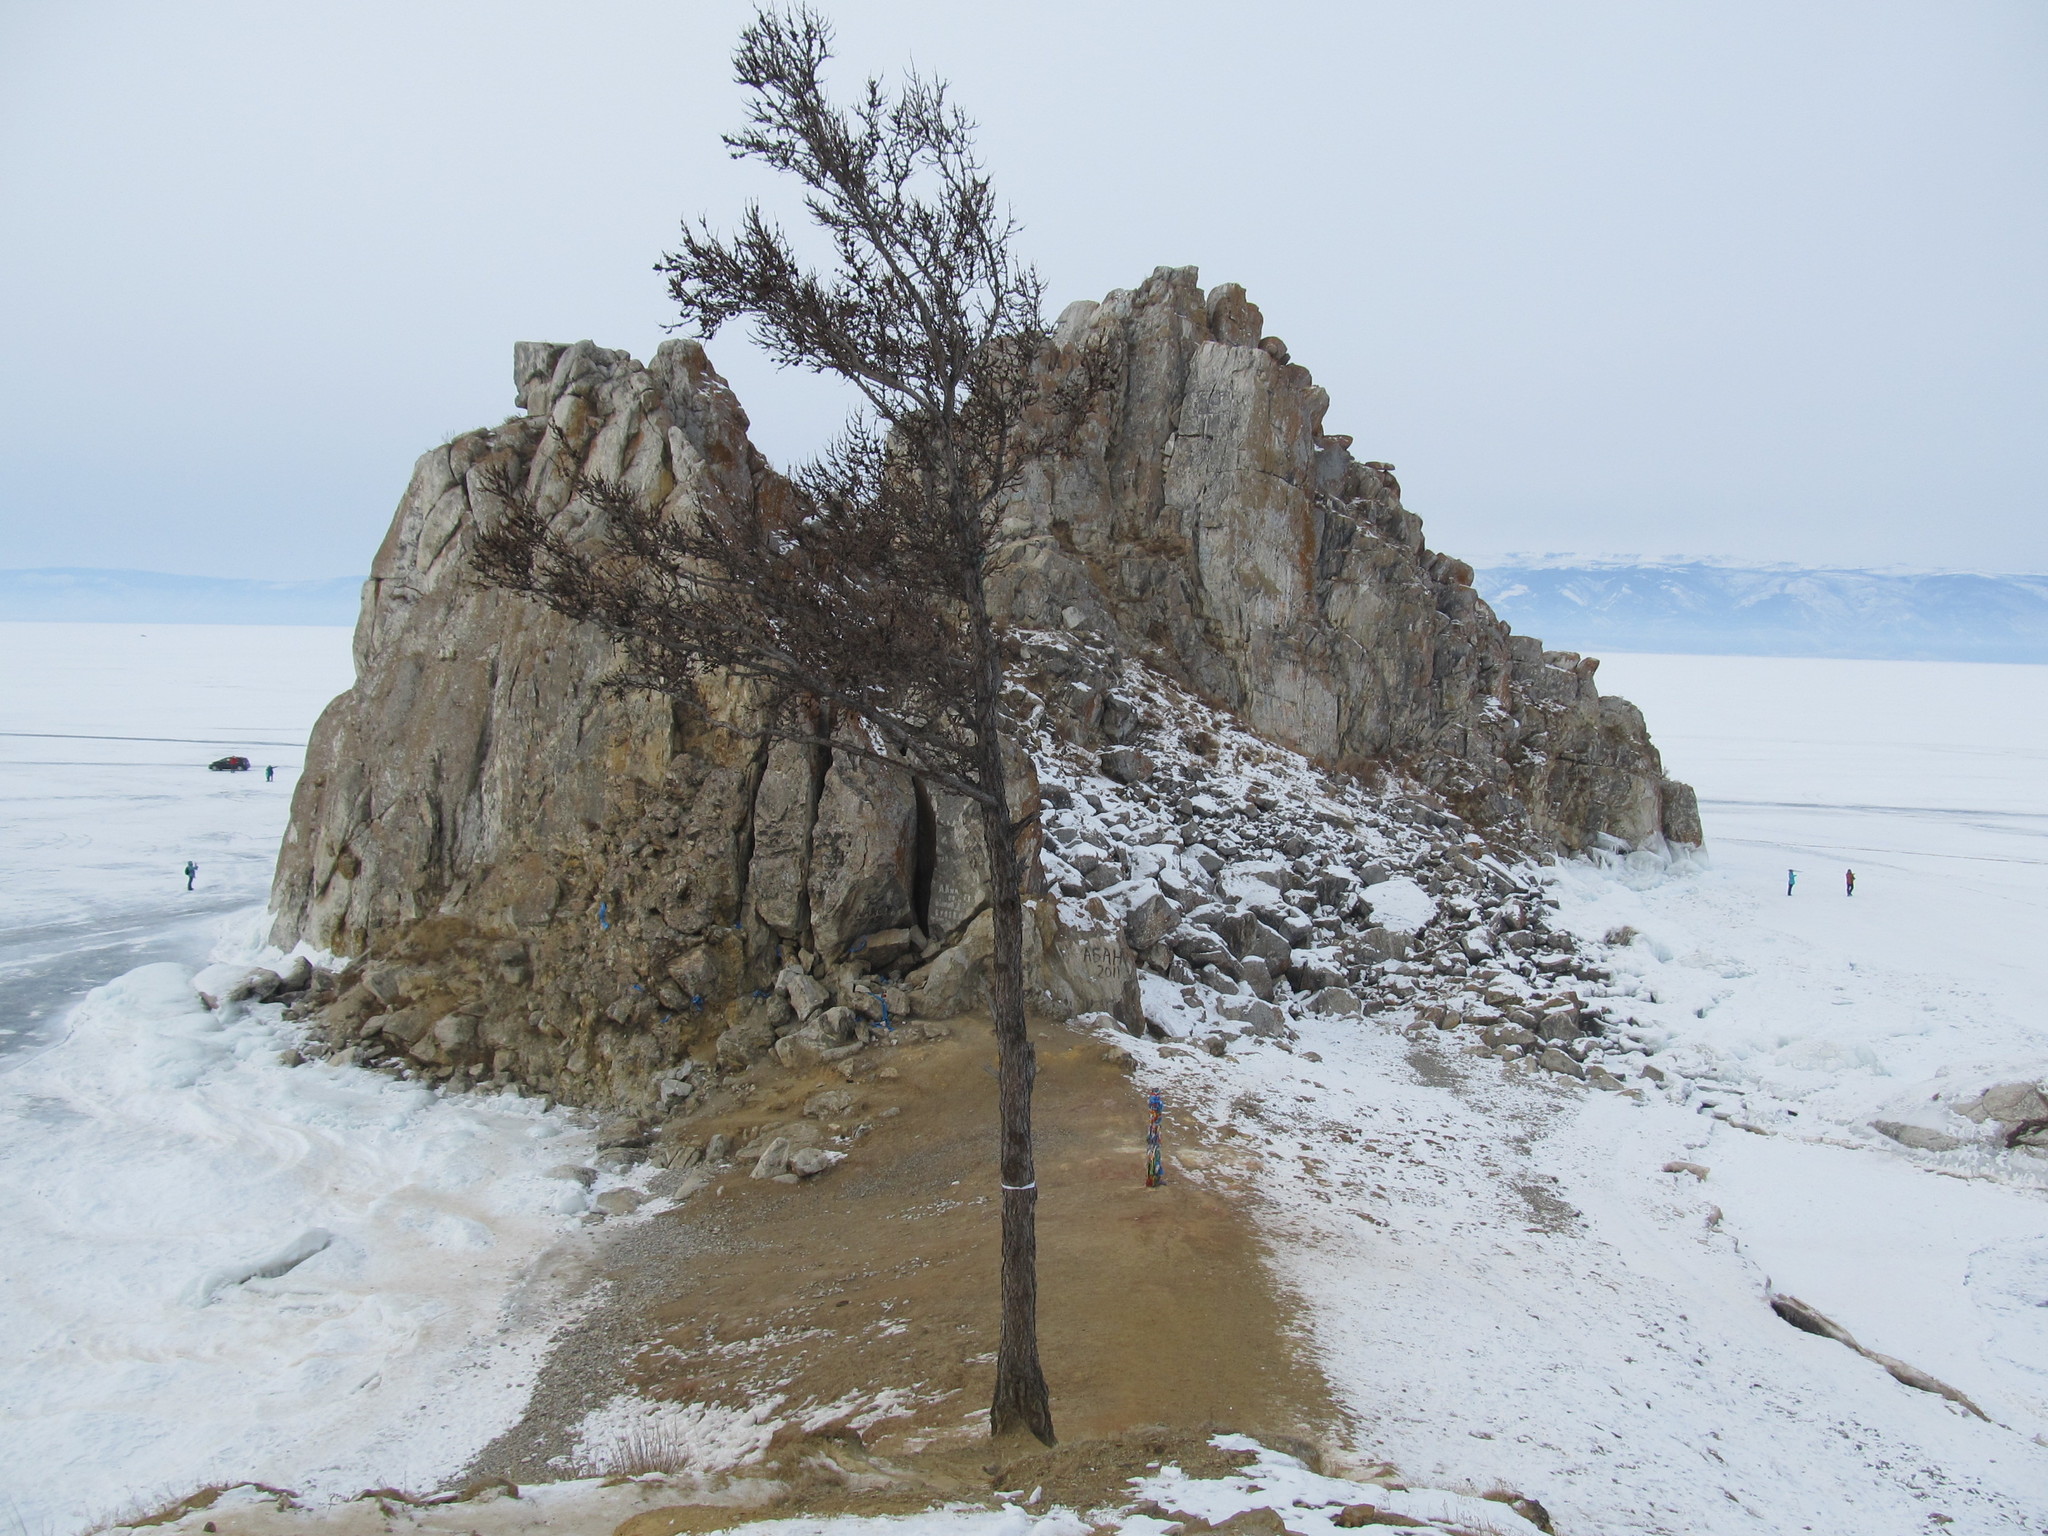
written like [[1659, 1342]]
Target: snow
[[1502, 1281], [220, 1266], [105, 734], [629, 1430], [1311, 1501], [1400, 904], [694, 1437], [224, 1267], [1920, 990]]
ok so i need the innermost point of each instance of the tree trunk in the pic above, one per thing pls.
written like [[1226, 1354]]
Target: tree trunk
[[1021, 1400]]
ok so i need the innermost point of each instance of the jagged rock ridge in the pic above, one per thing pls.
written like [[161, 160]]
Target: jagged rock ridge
[[542, 881], [1209, 525]]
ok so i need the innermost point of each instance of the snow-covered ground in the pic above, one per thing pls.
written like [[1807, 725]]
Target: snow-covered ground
[[105, 734], [1821, 1010], [1506, 1285], [157, 1158], [1506, 1288]]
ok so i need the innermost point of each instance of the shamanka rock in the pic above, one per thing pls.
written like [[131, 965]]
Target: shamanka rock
[[540, 879]]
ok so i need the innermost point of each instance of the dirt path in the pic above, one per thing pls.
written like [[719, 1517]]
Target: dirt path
[[878, 1277]]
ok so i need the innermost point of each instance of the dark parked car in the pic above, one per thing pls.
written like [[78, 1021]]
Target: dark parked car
[[229, 765]]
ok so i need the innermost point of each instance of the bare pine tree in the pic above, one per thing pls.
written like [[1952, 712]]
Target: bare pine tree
[[864, 593]]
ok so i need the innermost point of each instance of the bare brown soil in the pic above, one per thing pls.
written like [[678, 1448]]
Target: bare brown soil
[[1158, 1323]]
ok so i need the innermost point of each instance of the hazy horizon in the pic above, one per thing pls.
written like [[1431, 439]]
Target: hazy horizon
[[1760, 282]]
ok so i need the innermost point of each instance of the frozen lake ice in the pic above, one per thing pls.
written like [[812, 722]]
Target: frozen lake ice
[[105, 734], [151, 1151], [147, 1148]]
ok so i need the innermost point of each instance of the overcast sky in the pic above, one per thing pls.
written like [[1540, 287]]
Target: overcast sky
[[1761, 280]]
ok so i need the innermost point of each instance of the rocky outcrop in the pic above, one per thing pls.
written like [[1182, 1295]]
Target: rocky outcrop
[[545, 880], [541, 879], [1209, 525]]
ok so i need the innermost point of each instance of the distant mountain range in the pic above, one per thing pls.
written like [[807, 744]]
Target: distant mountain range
[[1706, 607], [78, 596], [1575, 603]]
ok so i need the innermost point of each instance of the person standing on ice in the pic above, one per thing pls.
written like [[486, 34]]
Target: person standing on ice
[[269, 772], [1791, 879], [1851, 880], [191, 873]]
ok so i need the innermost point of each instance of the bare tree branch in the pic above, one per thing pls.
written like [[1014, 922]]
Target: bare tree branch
[[860, 584]]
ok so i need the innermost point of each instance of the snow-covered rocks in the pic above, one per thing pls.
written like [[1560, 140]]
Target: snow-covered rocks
[[2010, 1104], [1921, 1138], [1341, 1001], [1253, 891], [219, 985]]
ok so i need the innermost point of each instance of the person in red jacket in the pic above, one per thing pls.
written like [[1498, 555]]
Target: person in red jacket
[[1851, 881]]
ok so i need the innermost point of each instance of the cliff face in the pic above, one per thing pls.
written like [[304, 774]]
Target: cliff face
[[1211, 527], [571, 887]]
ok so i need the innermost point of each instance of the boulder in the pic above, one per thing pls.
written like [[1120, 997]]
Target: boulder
[[863, 853], [805, 992], [1254, 1016], [1150, 920], [1339, 1001], [954, 982], [1083, 965], [1263, 1521], [221, 984], [1315, 973], [829, 1103], [1248, 937], [808, 1162], [1385, 943], [1244, 878], [1293, 926], [454, 1033], [880, 951], [796, 1133], [773, 1159], [745, 1043], [805, 1049], [1559, 1020], [834, 1026], [778, 872], [2007, 1103], [1126, 765], [1919, 1137]]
